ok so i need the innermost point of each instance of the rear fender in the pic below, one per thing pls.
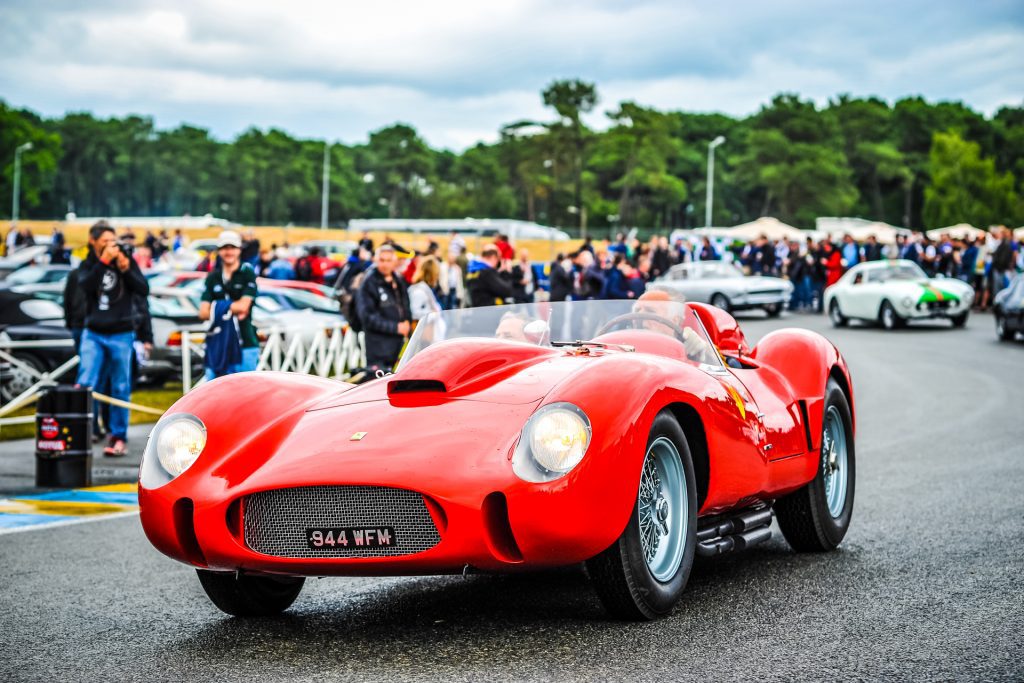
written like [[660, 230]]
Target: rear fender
[[807, 360]]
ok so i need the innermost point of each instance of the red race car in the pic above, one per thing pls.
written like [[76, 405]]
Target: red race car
[[629, 435]]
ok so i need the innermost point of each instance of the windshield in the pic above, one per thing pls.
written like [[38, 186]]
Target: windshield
[[899, 271], [719, 269], [300, 299], [26, 276], [617, 323]]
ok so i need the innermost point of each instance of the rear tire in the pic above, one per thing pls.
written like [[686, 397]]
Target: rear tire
[[889, 318], [816, 517], [836, 316], [773, 310], [641, 576], [719, 300], [244, 595]]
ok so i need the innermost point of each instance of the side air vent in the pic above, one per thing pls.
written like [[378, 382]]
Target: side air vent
[[406, 386]]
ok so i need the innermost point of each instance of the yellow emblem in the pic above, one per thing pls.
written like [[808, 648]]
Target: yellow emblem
[[737, 399], [358, 436]]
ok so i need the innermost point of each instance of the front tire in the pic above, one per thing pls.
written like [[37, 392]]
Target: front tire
[[889, 318], [773, 310], [719, 300], [816, 517], [245, 595], [1002, 331], [641, 576], [959, 320]]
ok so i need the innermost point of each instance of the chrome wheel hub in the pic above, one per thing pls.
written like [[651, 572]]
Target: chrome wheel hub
[[834, 462], [662, 509]]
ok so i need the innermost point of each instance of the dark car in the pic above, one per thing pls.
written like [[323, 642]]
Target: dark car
[[1009, 309], [25, 317]]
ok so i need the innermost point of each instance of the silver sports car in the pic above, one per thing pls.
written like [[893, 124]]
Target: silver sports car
[[724, 285]]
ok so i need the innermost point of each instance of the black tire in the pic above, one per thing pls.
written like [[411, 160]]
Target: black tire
[[620, 574], [836, 316], [1002, 331], [803, 515], [773, 310], [243, 595], [889, 318], [959, 320], [720, 300]]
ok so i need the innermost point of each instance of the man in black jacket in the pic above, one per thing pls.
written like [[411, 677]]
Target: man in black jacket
[[110, 281], [382, 303]]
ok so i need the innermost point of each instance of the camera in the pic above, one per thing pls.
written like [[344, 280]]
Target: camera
[[126, 248]]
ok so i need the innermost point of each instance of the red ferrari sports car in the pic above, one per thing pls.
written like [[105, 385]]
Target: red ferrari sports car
[[631, 436]]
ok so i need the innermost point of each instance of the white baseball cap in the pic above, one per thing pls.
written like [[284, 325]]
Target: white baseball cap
[[229, 238]]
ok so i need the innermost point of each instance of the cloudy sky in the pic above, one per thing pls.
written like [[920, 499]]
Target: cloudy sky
[[457, 70]]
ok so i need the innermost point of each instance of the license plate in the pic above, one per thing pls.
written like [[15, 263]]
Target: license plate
[[351, 537]]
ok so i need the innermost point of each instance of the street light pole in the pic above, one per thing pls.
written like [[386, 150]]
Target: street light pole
[[326, 188], [17, 182], [711, 178]]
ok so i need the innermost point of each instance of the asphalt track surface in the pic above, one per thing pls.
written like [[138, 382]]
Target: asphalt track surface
[[927, 585]]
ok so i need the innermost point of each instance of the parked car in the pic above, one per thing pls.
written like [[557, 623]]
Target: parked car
[[24, 317], [1008, 309], [895, 292], [724, 285], [23, 257], [495, 448], [37, 275]]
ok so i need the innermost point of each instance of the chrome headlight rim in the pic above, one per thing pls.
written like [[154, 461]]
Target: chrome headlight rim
[[533, 467], [155, 471]]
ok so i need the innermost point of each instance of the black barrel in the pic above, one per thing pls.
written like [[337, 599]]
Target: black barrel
[[63, 437]]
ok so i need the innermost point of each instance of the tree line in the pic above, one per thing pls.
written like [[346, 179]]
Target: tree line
[[914, 163]]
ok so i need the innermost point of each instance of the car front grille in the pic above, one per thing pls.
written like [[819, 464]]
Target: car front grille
[[275, 521]]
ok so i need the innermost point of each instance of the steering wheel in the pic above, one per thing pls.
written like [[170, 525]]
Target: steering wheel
[[640, 317]]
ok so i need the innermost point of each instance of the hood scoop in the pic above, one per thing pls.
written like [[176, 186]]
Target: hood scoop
[[407, 386], [461, 367]]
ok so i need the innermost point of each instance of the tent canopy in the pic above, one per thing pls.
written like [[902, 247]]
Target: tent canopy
[[772, 228], [960, 231]]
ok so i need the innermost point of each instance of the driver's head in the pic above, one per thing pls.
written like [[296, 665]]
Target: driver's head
[[664, 303], [511, 327]]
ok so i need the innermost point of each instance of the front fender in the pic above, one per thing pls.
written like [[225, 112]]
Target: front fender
[[596, 499]]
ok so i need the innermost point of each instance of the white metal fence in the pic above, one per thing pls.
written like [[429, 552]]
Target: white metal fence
[[333, 351]]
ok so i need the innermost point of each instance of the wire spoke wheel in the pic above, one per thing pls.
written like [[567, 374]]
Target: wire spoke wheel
[[662, 508]]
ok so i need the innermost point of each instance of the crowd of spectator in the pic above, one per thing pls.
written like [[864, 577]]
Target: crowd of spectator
[[383, 290]]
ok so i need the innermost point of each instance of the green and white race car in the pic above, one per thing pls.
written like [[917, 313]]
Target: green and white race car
[[894, 292]]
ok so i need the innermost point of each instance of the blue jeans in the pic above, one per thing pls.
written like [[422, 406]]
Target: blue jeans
[[250, 359], [109, 356]]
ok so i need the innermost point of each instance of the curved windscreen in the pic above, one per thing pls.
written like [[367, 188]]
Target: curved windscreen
[[551, 324]]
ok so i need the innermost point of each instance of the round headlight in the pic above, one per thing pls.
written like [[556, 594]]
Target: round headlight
[[907, 302], [179, 442], [559, 438]]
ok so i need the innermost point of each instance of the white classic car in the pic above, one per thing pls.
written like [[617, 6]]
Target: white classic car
[[724, 285], [893, 292]]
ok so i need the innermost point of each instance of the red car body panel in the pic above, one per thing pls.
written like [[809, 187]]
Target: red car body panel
[[759, 431]]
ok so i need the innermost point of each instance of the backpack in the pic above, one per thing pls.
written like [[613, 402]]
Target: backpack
[[304, 269]]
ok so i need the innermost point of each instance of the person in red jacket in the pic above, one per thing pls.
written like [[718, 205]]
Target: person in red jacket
[[832, 260]]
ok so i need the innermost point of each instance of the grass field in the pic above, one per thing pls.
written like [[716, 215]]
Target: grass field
[[160, 399]]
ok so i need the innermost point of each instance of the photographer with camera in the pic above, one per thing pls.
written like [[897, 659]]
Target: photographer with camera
[[111, 282]]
